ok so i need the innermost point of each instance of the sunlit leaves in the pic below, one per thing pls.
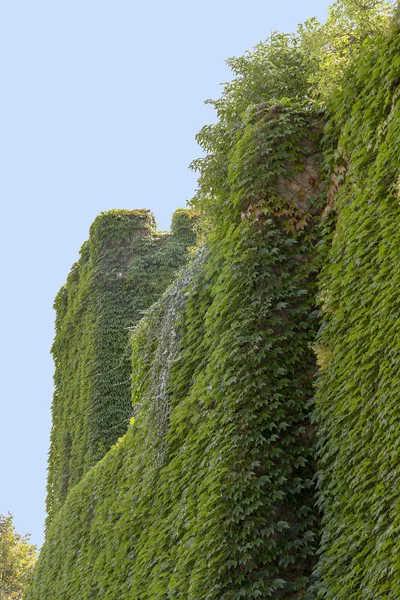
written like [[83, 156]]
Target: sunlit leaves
[[17, 558]]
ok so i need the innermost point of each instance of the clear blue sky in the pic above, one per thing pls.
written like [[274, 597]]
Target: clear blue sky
[[100, 104]]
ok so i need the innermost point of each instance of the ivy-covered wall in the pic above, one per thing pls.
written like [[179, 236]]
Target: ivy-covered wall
[[245, 471], [123, 268], [210, 494], [358, 396]]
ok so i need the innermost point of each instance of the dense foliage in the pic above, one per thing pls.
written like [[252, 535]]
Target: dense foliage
[[17, 559], [123, 268], [358, 389], [210, 493]]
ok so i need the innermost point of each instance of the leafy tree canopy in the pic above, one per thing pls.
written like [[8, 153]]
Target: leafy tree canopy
[[333, 45], [17, 558]]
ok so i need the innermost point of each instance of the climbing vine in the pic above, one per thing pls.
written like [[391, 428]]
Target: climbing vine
[[123, 269]]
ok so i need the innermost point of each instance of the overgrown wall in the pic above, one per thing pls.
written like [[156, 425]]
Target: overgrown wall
[[210, 493], [358, 399], [123, 268]]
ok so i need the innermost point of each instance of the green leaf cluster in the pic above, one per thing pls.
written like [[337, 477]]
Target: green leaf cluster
[[333, 45], [276, 69], [123, 268]]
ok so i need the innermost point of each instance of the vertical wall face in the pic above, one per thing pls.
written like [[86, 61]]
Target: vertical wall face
[[358, 399], [124, 267]]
